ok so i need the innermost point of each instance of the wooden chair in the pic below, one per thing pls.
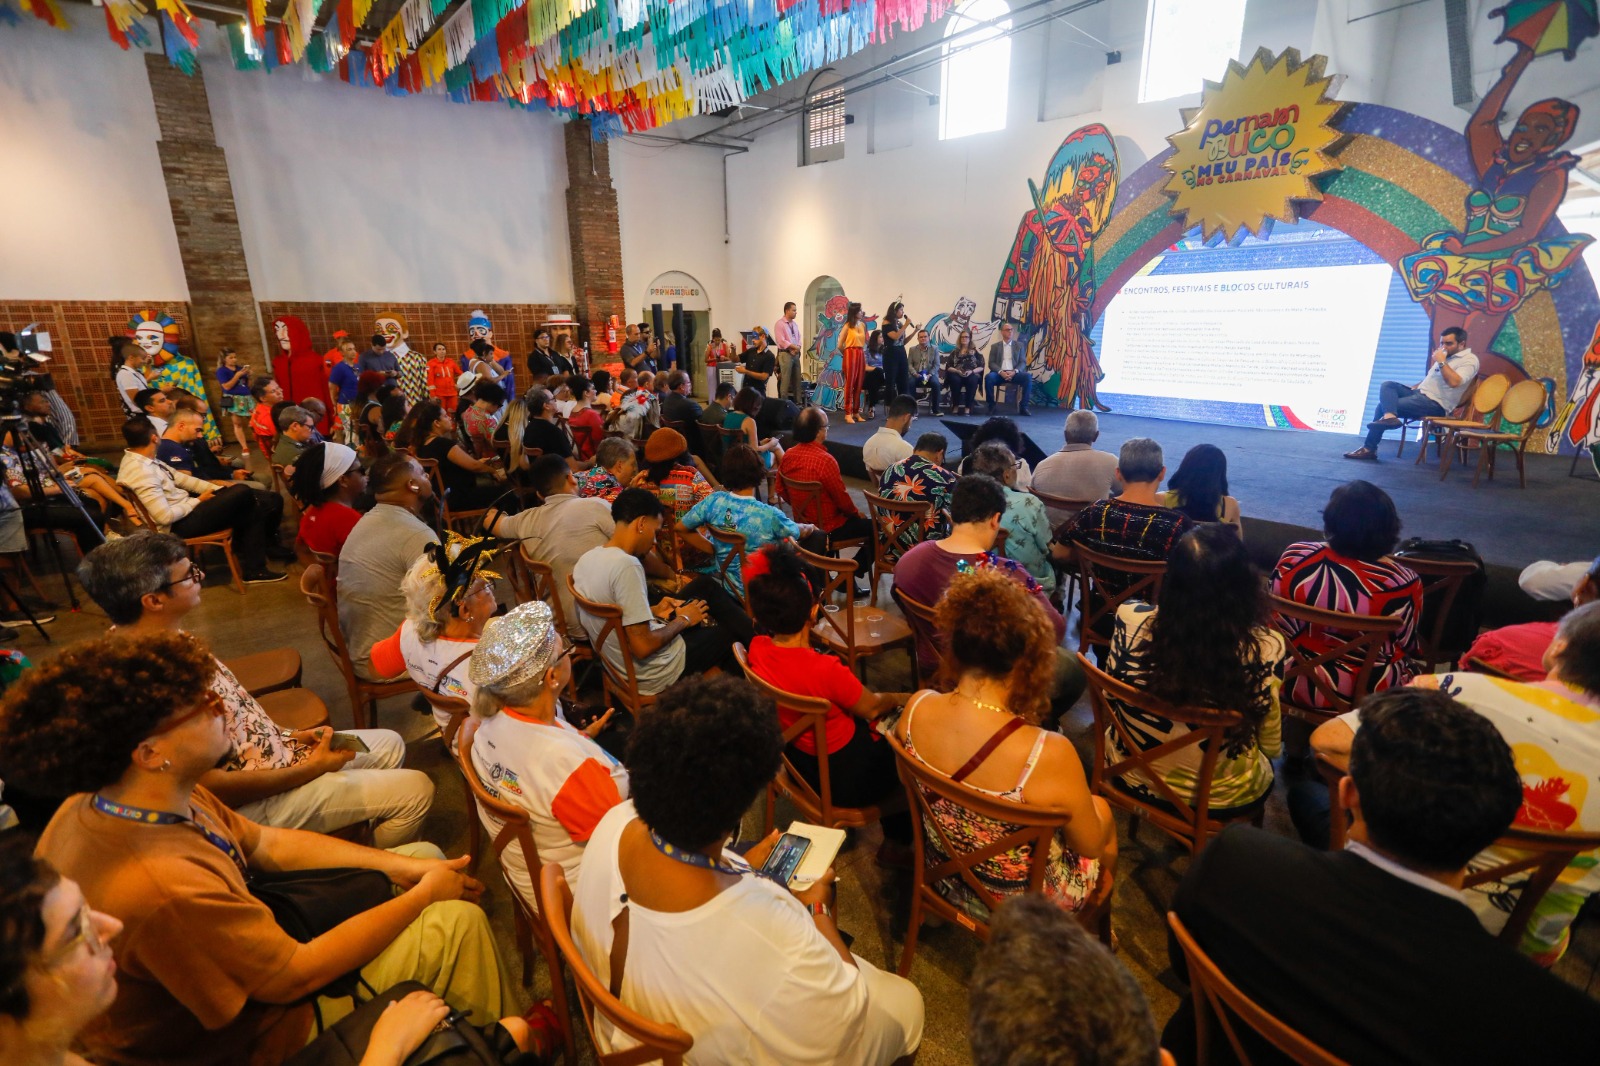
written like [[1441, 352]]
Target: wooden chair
[[1100, 603], [1061, 509], [657, 1041], [805, 503], [1032, 827], [845, 631], [1441, 583], [622, 684], [731, 562], [455, 707], [1516, 420], [897, 526], [1189, 822], [920, 618], [1475, 408], [463, 522], [1346, 635], [689, 430], [294, 708], [815, 804], [1000, 537], [222, 539], [280, 485], [532, 931], [364, 694], [1218, 1000], [267, 671], [542, 586]]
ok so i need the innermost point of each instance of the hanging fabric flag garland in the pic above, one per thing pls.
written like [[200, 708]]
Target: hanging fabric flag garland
[[179, 38], [123, 25]]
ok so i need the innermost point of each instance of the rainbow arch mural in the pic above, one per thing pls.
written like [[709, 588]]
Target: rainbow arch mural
[[1404, 177]]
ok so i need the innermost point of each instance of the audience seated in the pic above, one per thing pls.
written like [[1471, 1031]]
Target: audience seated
[[861, 770], [208, 974], [378, 552], [1551, 581], [525, 752], [544, 429], [742, 417], [888, 445], [327, 481], [146, 584], [1370, 953], [1199, 488], [1351, 572], [1078, 471], [190, 507], [735, 507], [1045, 991], [296, 428], [54, 513], [1027, 526], [481, 418], [995, 684], [672, 638], [449, 593], [1553, 729], [731, 958], [673, 474], [183, 447], [809, 460], [922, 477], [1518, 651], [616, 462], [559, 531], [1002, 429], [679, 406], [1209, 645], [469, 483], [583, 422]]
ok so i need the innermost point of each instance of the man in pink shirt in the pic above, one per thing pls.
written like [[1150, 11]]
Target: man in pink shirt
[[786, 338]]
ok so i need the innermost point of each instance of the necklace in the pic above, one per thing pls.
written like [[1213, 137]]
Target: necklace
[[981, 703]]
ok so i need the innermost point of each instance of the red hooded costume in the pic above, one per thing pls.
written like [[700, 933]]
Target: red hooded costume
[[297, 364]]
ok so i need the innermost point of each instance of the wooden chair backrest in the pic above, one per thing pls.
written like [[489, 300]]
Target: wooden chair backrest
[[1062, 509], [315, 588], [517, 575], [1100, 603], [148, 522], [1522, 405], [805, 499], [1207, 729], [1032, 827], [690, 431], [811, 715], [454, 706], [1216, 997], [1352, 634], [1001, 536], [733, 561], [1487, 394], [626, 685], [1441, 578], [920, 617], [658, 1041], [838, 578], [897, 525]]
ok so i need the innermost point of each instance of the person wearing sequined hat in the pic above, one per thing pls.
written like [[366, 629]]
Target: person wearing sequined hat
[[525, 752]]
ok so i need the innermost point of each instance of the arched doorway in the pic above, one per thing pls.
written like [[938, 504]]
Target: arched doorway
[[813, 314], [677, 287]]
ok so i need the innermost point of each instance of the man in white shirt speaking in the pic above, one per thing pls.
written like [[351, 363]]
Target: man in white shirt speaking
[[1451, 372]]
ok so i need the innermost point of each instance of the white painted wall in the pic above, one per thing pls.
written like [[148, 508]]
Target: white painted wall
[[83, 214], [669, 202]]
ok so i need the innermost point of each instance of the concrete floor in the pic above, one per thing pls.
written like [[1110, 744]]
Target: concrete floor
[[871, 900]]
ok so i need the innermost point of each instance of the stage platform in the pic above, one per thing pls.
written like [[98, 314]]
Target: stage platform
[[1282, 479]]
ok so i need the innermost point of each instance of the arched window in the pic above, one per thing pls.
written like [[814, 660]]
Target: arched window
[[976, 69], [822, 120]]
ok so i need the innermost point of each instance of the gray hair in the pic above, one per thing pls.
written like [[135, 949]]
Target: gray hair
[[1140, 460], [294, 415], [613, 450], [1579, 660], [489, 700], [1082, 427], [421, 584], [993, 459], [119, 574]]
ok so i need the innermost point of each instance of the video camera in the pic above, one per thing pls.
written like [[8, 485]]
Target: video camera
[[20, 353]]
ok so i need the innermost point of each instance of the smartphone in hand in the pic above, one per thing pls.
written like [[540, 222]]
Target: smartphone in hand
[[348, 742], [785, 858]]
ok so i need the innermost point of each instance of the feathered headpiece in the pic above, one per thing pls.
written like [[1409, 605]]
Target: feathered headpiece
[[458, 563]]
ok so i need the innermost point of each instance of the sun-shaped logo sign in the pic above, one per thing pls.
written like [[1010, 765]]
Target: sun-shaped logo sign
[[1255, 145]]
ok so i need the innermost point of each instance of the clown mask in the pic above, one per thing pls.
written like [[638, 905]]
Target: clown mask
[[394, 331], [150, 337], [479, 328]]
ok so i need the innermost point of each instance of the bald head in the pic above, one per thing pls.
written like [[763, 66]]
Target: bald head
[[810, 425]]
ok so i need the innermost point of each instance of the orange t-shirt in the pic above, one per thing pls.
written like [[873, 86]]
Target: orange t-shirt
[[853, 336], [195, 943]]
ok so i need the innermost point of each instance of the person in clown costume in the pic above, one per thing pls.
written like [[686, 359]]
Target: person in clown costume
[[298, 366], [497, 368], [156, 334], [413, 364]]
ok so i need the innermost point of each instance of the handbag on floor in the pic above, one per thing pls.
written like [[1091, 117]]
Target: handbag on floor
[[456, 1043]]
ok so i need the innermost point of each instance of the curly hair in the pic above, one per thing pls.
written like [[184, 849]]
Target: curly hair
[[1204, 647], [994, 628], [24, 883], [700, 758], [72, 723]]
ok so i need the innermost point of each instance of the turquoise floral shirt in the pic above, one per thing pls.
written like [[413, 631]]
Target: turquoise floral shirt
[[760, 524], [1028, 536]]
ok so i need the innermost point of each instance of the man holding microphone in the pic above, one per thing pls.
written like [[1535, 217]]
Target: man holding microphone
[[786, 336], [1452, 368]]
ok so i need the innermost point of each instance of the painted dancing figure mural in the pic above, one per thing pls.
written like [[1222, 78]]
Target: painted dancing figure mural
[[157, 334], [1047, 285], [1475, 278]]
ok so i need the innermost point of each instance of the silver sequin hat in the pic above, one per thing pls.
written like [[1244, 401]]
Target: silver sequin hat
[[516, 647]]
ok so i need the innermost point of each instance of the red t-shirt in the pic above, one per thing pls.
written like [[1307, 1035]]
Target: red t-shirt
[[587, 431], [1517, 651], [808, 672], [325, 526]]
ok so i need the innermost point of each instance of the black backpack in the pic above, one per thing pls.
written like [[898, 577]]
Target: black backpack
[[1466, 611]]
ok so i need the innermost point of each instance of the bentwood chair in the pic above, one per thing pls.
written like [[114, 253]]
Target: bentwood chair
[[730, 563], [805, 503], [267, 671], [364, 694], [654, 1041], [532, 931], [944, 858], [1476, 409], [221, 539], [815, 804], [1315, 638], [843, 626], [621, 683], [1109, 581], [897, 526], [1190, 822], [920, 617], [1514, 425], [1218, 1003], [542, 586], [456, 711], [1442, 581]]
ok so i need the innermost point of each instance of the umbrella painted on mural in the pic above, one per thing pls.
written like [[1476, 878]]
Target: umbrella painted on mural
[[1547, 26]]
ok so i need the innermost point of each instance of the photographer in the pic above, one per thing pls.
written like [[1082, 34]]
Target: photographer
[[37, 381]]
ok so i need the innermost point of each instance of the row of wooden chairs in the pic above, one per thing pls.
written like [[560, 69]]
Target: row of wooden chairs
[[1493, 415]]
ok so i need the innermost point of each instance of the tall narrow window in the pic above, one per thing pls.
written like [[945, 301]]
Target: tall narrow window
[[1187, 42], [822, 131], [976, 69]]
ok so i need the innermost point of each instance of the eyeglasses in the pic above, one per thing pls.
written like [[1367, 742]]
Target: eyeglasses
[[194, 573], [209, 702], [87, 933]]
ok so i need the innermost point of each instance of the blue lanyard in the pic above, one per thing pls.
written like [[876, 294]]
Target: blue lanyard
[[695, 858], [146, 817]]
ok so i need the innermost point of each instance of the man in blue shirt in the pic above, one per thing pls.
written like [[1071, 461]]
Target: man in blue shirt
[[342, 378], [379, 358], [181, 447]]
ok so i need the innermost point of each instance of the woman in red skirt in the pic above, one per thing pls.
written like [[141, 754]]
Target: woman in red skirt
[[852, 344]]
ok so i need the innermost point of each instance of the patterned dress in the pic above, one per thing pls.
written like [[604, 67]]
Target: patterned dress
[[1317, 576], [1069, 878]]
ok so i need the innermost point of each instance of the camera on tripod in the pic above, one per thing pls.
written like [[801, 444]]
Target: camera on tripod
[[20, 353]]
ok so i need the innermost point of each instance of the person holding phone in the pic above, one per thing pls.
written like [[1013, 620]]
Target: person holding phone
[[146, 584]]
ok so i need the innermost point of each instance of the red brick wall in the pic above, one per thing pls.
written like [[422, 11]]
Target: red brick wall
[[79, 329], [594, 230]]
